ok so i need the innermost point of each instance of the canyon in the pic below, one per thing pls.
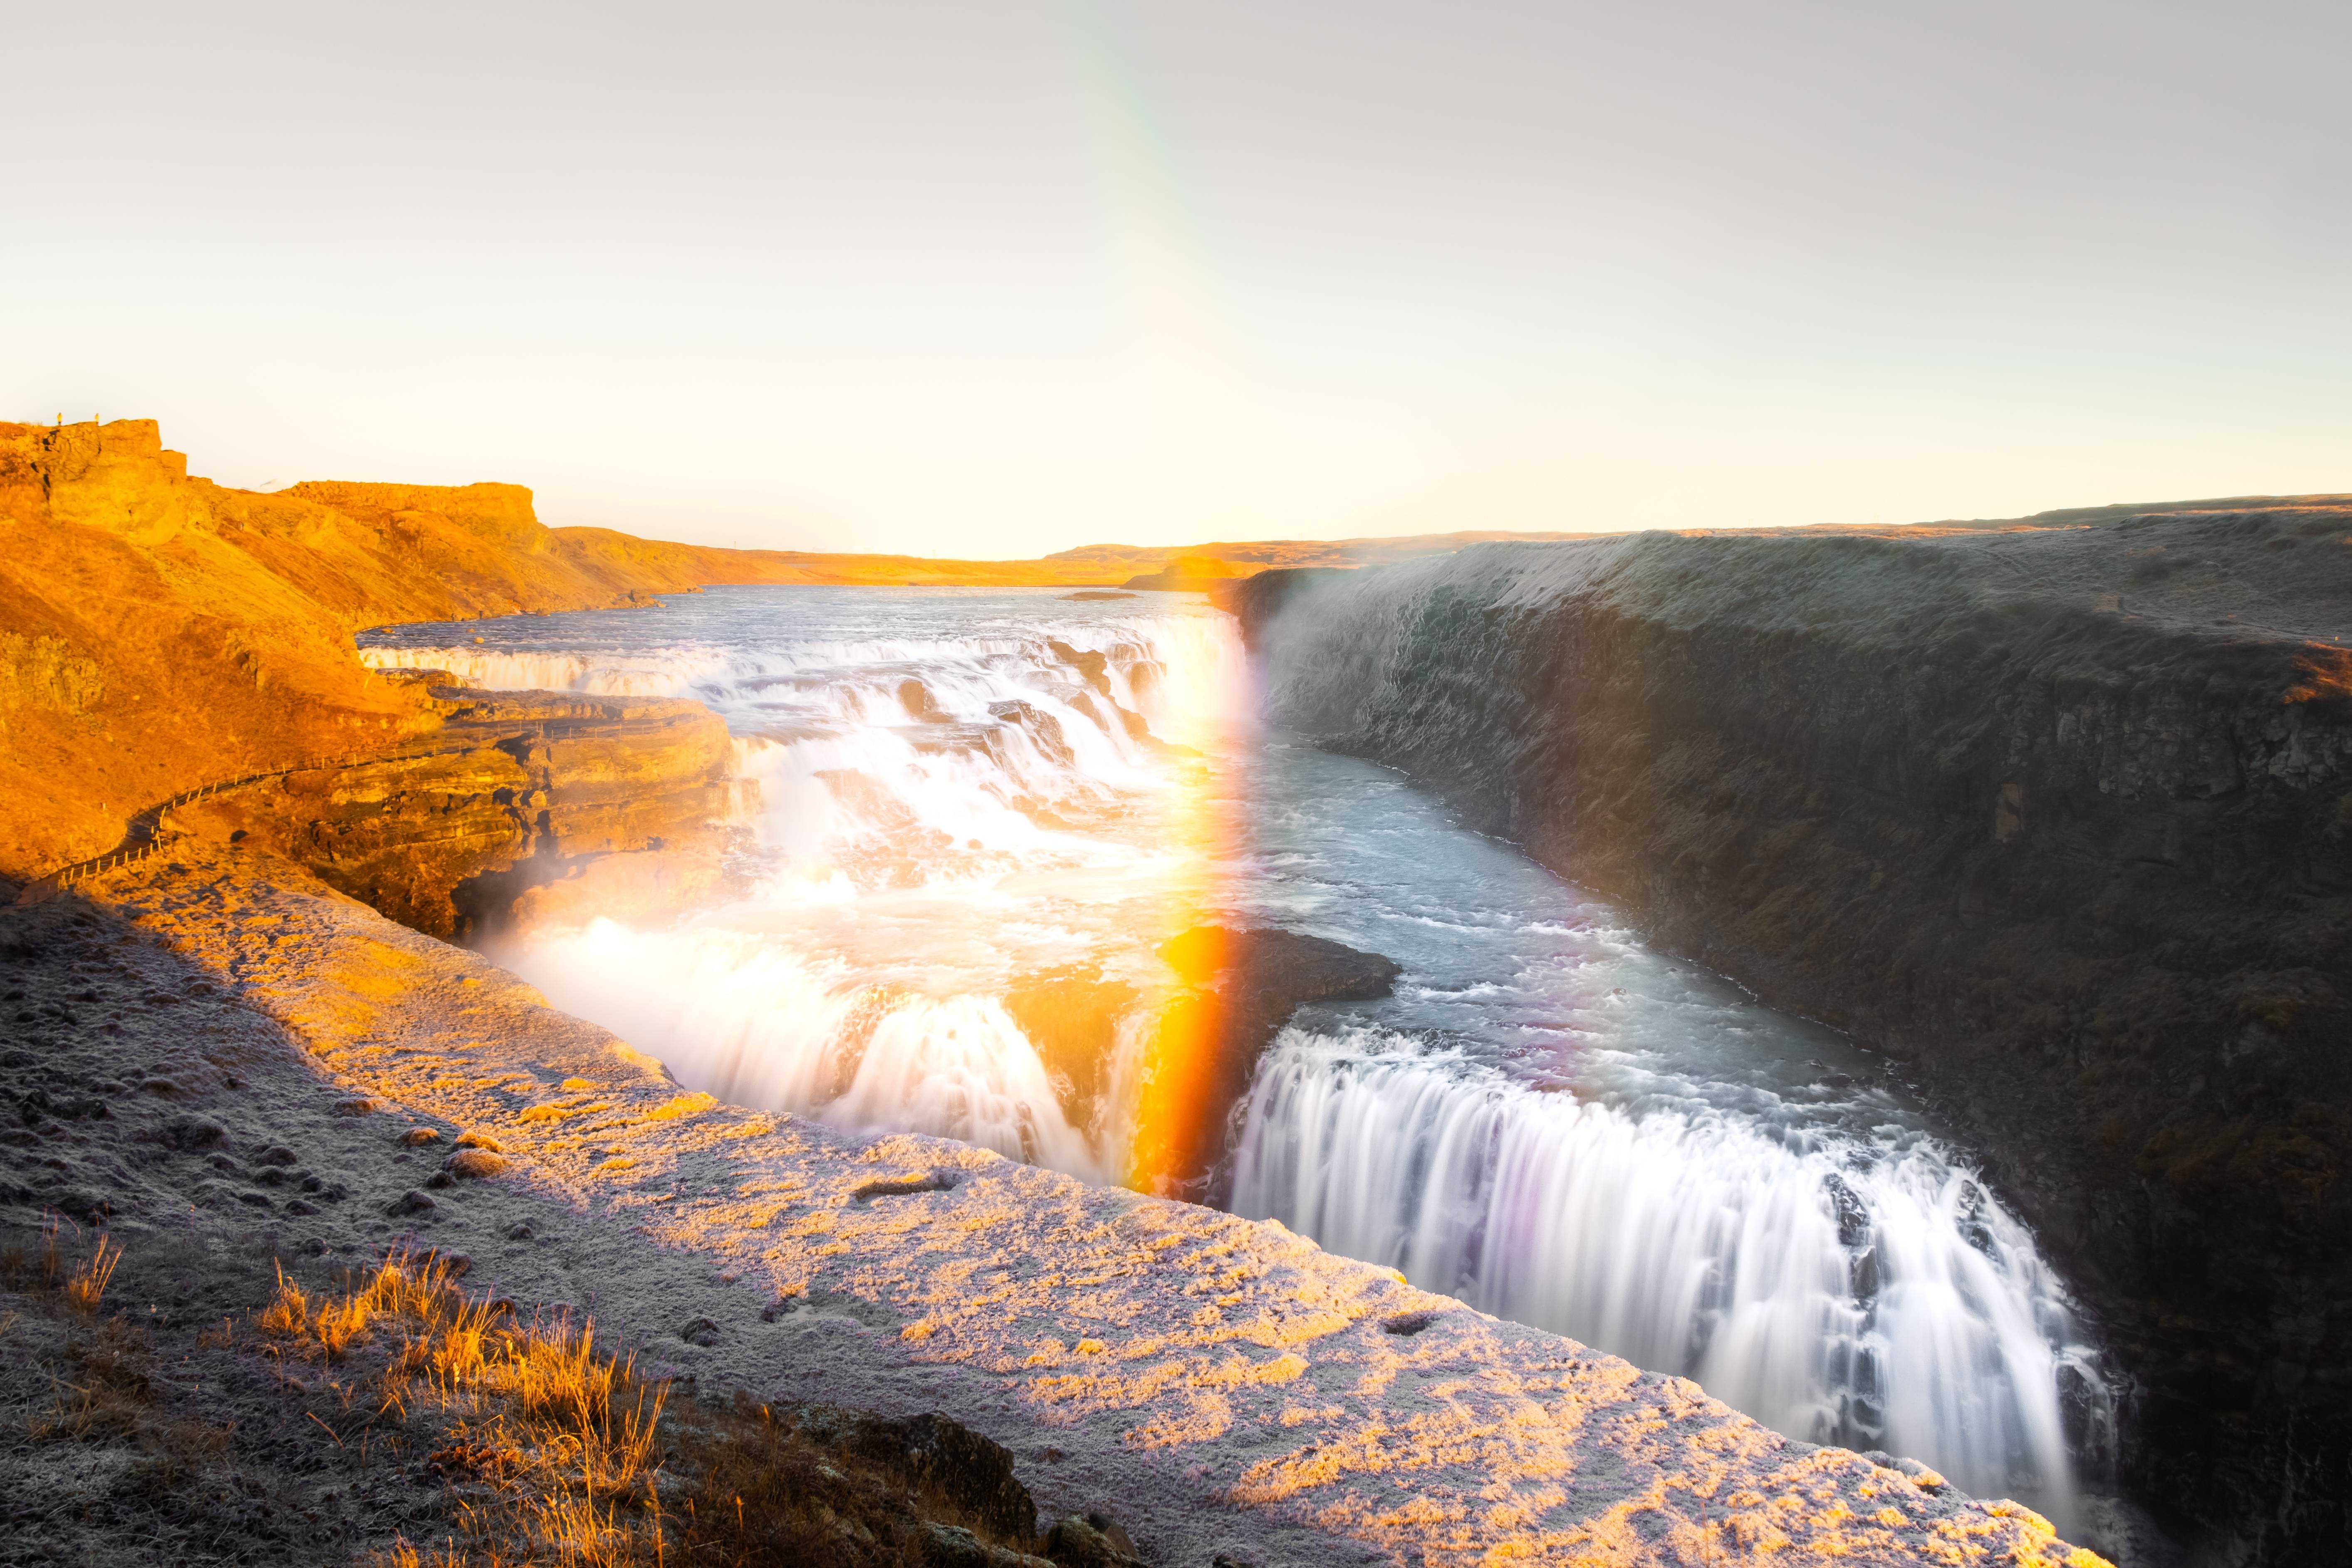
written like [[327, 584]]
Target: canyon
[[2057, 814], [160, 632]]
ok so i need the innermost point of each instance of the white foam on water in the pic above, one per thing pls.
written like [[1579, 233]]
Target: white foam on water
[[758, 1024], [1870, 1294]]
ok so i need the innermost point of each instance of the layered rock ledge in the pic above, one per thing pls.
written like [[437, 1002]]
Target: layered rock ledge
[[524, 803], [1226, 1386], [2060, 816]]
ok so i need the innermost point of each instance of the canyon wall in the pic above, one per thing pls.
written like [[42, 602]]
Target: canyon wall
[[158, 631], [522, 802], [2059, 816]]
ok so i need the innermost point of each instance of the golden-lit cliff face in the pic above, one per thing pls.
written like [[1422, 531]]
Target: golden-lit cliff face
[[158, 632], [522, 805]]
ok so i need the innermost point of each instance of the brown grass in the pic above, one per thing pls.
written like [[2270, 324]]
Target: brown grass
[[48, 1272], [106, 1392], [557, 1453], [86, 1287], [549, 1450]]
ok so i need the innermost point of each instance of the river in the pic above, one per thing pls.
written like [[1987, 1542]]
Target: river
[[946, 794]]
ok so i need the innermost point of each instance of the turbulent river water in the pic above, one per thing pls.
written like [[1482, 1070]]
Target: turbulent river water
[[946, 794]]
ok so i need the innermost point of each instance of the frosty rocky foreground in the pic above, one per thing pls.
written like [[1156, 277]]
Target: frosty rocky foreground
[[1227, 1385]]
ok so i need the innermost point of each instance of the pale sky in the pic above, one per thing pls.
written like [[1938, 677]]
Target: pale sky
[[999, 277]]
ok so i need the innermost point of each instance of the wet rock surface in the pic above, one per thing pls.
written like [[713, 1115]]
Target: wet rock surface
[[2061, 818], [1238, 988], [1246, 985]]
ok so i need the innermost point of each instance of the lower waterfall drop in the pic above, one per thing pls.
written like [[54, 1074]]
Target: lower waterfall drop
[[1871, 1296]]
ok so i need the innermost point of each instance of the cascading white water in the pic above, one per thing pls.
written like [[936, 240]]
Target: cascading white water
[[1866, 1294], [763, 1026], [1547, 1119], [906, 784]]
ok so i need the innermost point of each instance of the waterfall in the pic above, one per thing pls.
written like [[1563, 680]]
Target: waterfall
[[956, 796], [903, 782], [1866, 1293]]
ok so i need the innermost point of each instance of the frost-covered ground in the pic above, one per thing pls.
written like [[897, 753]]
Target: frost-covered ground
[[1221, 1385]]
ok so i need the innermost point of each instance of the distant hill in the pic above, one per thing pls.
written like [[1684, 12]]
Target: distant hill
[[1262, 554]]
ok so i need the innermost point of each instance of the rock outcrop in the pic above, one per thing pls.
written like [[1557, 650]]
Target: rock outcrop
[[2059, 816], [1234, 991], [1241, 987], [526, 803], [163, 632]]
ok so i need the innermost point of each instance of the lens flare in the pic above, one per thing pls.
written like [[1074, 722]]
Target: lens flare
[[1207, 704]]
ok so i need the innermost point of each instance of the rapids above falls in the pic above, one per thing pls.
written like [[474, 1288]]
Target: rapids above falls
[[961, 791]]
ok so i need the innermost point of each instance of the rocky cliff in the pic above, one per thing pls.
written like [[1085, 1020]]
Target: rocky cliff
[[520, 803], [158, 632], [2058, 814]]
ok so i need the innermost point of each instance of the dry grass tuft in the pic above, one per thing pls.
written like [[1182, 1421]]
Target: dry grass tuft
[[289, 1311], [549, 1450], [557, 1453], [49, 1272], [86, 1287]]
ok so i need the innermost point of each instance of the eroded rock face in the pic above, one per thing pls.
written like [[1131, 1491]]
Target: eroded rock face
[[525, 805], [1072, 1017], [2059, 817], [943, 1456], [1234, 991]]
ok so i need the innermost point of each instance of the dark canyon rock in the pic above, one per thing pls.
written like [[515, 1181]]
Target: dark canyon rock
[[2060, 816], [936, 1454], [1243, 986], [1091, 1541]]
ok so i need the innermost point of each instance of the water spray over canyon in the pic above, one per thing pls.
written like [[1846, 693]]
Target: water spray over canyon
[[949, 797]]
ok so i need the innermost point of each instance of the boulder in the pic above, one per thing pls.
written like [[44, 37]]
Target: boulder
[[972, 1473], [1092, 1540]]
